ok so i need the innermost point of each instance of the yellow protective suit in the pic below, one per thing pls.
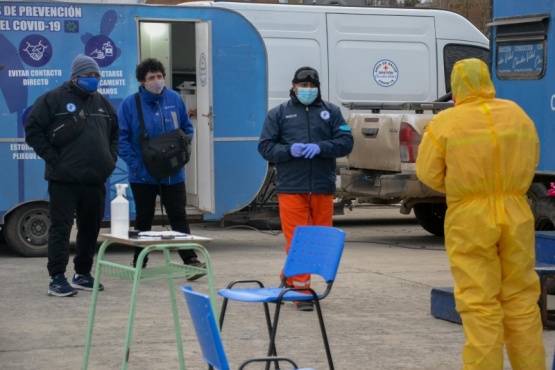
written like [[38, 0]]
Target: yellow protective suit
[[482, 154]]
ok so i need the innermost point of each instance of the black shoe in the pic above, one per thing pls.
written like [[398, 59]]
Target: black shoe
[[304, 306], [195, 263], [135, 262]]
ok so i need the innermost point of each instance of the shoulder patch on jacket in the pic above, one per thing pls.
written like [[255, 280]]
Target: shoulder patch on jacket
[[345, 128]]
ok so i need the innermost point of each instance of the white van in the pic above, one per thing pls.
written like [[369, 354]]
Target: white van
[[363, 54]]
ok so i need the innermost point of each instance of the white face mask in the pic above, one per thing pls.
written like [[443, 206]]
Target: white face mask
[[155, 86]]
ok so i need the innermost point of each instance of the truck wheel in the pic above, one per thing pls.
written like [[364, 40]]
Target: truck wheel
[[431, 216], [26, 230], [544, 214], [536, 191]]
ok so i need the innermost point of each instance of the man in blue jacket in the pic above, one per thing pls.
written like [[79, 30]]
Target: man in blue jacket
[[303, 137], [163, 110]]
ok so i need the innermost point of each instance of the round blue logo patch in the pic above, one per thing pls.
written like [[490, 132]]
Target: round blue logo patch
[[71, 107], [386, 73], [325, 115]]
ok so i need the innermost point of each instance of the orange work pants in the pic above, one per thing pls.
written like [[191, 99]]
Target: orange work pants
[[301, 210]]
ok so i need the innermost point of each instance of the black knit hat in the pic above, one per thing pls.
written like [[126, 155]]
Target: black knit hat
[[307, 74], [83, 64]]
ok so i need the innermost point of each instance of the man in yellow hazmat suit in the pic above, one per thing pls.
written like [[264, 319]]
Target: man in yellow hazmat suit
[[482, 154]]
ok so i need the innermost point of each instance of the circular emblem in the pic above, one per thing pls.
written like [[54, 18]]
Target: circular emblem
[[325, 115], [35, 50], [202, 69], [25, 115], [386, 73], [102, 49], [71, 107]]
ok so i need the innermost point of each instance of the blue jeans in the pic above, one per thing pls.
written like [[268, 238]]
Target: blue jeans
[[173, 199]]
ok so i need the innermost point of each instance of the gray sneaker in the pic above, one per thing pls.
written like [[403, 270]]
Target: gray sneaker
[[84, 282], [59, 287]]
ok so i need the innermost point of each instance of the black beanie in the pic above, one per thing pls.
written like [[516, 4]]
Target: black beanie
[[307, 74]]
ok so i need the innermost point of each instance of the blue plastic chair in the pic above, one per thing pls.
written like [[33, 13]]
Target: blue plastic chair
[[314, 250], [208, 334]]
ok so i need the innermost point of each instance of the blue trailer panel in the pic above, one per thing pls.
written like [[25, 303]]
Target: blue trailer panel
[[227, 70]]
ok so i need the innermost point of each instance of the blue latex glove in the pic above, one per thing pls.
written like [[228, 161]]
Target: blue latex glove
[[297, 149], [310, 150]]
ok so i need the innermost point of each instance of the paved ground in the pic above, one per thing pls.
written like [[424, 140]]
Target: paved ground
[[377, 316]]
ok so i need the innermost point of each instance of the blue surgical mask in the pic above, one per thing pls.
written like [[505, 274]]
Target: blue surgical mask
[[307, 95], [89, 84]]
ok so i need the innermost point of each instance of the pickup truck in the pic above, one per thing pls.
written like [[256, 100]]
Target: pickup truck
[[381, 167]]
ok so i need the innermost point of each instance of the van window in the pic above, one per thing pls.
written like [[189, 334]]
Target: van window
[[452, 53], [520, 50]]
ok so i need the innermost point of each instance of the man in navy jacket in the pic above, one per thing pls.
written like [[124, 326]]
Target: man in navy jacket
[[303, 137]]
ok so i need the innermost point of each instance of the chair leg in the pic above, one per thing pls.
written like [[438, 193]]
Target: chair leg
[[272, 346], [222, 313], [268, 325], [324, 335]]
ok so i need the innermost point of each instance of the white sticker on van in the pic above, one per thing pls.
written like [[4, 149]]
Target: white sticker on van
[[386, 73]]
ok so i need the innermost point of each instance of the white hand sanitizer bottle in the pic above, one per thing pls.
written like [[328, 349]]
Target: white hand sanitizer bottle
[[120, 213]]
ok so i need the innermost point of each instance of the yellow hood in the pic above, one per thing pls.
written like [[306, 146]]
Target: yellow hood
[[470, 80]]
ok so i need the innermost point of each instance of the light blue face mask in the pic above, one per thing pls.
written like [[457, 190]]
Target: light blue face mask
[[307, 95], [89, 84]]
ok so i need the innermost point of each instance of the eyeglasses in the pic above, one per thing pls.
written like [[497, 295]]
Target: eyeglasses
[[307, 73]]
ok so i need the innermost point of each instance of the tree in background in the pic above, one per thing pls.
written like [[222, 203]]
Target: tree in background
[[476, 11]]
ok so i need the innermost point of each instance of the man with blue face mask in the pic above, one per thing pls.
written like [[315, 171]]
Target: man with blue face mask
[[75, 130], [303, 137]]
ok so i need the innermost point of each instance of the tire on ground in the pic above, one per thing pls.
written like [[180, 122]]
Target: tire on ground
[[431, 216], [26, 230]]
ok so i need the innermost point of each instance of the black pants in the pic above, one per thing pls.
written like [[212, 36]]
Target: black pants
[[173, 199], [84, 202]]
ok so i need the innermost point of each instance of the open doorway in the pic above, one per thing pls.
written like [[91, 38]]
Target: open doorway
[[185, 49]]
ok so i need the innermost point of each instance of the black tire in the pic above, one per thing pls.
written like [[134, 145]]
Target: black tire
[[536, 192], [26, 230], [431, 216], [544, 213]]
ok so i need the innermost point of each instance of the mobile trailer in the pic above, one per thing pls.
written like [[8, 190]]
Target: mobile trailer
[[212, 66], [523, 70], [231, 78]]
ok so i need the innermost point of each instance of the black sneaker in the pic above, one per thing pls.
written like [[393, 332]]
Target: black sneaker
[[59, 287], [304, 306], [195, 263], [84, 282]]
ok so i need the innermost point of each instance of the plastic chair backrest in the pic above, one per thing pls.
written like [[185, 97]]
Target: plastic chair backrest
[[206, 328], [315, 250]]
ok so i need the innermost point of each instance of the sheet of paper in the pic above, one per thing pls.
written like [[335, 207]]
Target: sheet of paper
[[159, 234]]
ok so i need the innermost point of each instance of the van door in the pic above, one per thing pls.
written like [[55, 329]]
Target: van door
[[381, 58], [205, 118]]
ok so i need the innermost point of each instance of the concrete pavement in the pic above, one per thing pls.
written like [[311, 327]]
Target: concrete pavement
[[377, 316]]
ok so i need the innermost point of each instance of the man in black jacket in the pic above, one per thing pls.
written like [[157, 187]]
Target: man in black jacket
[[303, 137], [75, 130]]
